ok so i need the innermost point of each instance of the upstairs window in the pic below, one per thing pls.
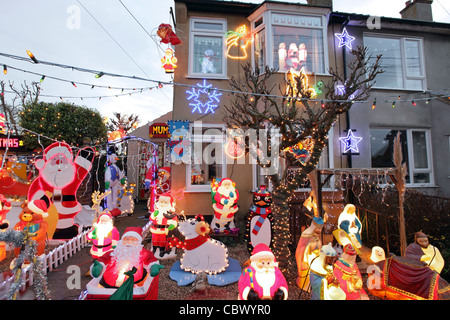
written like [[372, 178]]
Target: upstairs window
[[293, 41], [402, 61], [207, 48]]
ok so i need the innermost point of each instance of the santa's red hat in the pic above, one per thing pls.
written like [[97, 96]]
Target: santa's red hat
[[106, 213], [135, 232], [261, 250], [348, 249], [58, 148], [38, 206]]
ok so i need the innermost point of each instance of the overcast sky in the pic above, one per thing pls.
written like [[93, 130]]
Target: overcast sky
[[63, 31]]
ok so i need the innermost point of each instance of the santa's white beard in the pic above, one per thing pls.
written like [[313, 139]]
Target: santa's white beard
[[58, 179], [265, 277], [225, 191], [126, 256], [104, 229]]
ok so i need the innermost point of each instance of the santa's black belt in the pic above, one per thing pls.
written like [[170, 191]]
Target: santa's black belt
[[105, 245], [69, 197], [160, 226]]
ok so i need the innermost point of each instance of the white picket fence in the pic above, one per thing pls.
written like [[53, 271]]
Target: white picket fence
[[53, 259]]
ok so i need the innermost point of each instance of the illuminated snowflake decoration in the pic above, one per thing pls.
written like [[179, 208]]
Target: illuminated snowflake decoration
[[203, 98]]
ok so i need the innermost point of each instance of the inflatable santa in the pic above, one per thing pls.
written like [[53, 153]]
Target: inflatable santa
[[262, 279], [225, 197], [61, 175]]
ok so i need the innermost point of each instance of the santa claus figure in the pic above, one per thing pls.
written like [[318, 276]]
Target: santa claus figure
[[347, 273], [350, 223], [104, 235], [169, 61], [61, 176], [262, 279], [225, 197], [164, 219], [128, 254]]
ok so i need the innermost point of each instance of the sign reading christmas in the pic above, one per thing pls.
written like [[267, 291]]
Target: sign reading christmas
[[11, 142]]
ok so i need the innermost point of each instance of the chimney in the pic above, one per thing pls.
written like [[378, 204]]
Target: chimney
[[417, 10], [320, 3]]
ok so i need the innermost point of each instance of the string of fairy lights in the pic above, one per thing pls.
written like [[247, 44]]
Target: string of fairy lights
[[423, 96]]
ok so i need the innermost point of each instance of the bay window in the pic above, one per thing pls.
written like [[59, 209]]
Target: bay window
[[293, 42]]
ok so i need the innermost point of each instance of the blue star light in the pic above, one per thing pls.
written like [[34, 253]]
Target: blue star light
[[204, 98], [350, 142], [345, 39]]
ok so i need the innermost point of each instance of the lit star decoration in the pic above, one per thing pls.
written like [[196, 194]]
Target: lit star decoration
[[204, 98], [350, 142], [341, 91], [345, 39]]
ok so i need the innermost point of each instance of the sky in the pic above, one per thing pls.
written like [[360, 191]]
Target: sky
[[103, 35]]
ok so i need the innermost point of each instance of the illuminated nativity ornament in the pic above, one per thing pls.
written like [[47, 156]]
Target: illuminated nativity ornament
[[350, 142], [204, 98], [345, 39]]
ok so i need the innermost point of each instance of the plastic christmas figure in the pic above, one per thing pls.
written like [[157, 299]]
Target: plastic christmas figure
[[308, 248], [167, 35], [282, 54], [163, 184], [32, 222], [169, 61], [61, 176], [225, 197], [201, 253], [348, 275], [350, 223], [164, 219], [113, 179], [262, 279], [207, 63], [104, 235], [129, 253], [401, 278], [324, 286], [259, 219], [150, 181], [5, 206], [421, 250]]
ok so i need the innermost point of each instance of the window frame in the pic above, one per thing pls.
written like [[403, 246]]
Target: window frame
[[204, 32], [268, 25], [410, 164], [405, 76], [190, 188]]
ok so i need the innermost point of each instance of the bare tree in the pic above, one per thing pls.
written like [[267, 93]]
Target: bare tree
[[299, 118], [26, 94]]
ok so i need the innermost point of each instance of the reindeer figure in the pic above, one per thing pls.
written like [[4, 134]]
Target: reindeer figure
[[97, 198]]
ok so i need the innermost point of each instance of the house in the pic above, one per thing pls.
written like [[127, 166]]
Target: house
[[412, 96]]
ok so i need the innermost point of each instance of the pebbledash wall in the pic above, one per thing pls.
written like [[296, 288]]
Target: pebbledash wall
[[424, 126]]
